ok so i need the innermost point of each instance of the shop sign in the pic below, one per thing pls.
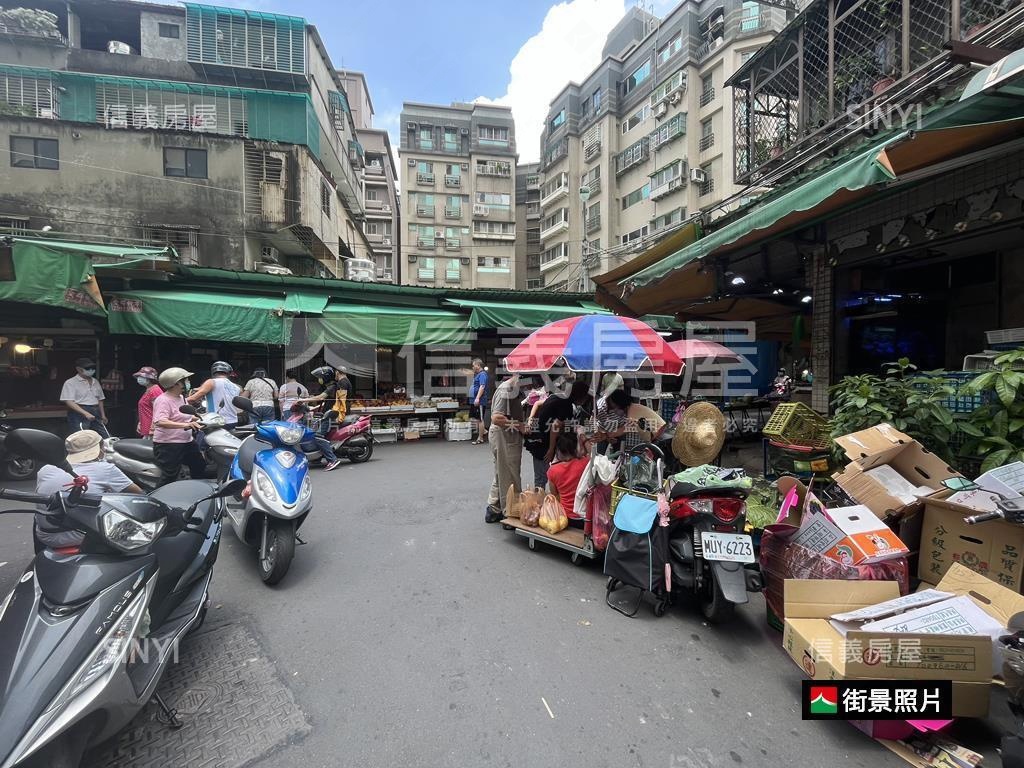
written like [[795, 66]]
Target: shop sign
[[131, 306]]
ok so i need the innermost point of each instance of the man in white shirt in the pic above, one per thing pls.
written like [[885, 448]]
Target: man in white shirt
[[83, 396], [290, 391], [219, 391], [263, 393], [85, 454]]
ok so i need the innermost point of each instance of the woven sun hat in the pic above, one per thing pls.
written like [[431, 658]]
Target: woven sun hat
[[84, 445], [700, 435]]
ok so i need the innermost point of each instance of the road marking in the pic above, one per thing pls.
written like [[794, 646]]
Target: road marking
[[547, 708], [3, 564]]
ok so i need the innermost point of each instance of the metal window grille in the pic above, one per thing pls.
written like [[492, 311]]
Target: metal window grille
[[27, 95]]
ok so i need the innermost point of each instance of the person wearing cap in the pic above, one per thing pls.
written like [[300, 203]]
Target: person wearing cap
[[83, 396], [263, 393], [146, 377], [219, 391], [173, 431], [505, 437], [85, 454]]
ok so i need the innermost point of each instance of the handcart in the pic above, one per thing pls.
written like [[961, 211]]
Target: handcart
[[637, 553], [578, 541]]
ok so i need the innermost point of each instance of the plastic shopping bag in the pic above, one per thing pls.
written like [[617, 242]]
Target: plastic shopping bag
[[530, 501], [552, 517], [513, 502], [600, 515]]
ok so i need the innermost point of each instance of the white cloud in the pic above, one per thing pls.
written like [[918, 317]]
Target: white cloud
[[568, 47]]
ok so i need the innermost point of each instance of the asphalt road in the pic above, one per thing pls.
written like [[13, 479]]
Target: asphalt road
[[413, 634]]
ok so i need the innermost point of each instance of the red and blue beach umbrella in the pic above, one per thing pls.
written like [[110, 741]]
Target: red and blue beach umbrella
[[595, 343]]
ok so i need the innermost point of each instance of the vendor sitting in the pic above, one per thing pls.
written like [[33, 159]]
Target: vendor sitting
[[565, 472]]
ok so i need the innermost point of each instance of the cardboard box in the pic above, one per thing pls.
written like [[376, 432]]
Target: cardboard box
[[994, 549], [824, 654], [884, 445], [851, 535]]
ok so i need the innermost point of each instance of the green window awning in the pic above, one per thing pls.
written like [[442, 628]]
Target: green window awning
[[59, 273], [497, 314], [394, 326], [305, 303], [866, 169], [200, 315]]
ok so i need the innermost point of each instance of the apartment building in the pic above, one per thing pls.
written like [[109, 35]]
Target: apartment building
[[223, 132], [459, 189], [646, 139], [382, 225], [528, 226]]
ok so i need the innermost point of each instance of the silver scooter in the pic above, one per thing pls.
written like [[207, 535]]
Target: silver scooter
[[88, 631]]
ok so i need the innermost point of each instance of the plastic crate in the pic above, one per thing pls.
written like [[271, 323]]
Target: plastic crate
[[798, 424], [458, 432]]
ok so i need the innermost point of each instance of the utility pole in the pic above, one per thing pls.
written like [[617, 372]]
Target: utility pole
[[584, 256]]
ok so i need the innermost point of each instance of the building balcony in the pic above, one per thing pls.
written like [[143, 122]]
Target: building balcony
[[374, 169], [533, 181], [452, 243], [594, 185], [554, 229], [592, 150], [673, 129], [533, 212], [384, 245], [593, 223], [556, 194], [483, 234], [453, 181], [425, 178], [453, 213], [707, 141], [425, 274], [451, 276], [637, 154], [707, 188], [21, 35], [426, 242], [556, 257], [503, 170], [426, 211], [382, 211], [555, 154], [374, 204], [707, 96], [673, 185]]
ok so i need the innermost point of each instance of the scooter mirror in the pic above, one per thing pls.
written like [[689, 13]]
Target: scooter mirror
[[189, 409], [232, 488], [243, 404], [44, 447], [960, 484]]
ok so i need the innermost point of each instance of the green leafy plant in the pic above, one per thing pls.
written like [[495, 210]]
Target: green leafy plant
[[913, 402], [995, 431]]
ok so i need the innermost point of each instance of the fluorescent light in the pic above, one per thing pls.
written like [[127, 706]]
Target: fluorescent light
[[738, 280], [22, 349], [664, 333], [777, 292], [807, 299]]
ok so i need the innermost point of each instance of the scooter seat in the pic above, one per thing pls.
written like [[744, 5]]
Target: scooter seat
[[184, 493], [138, 450], [350, 420], [247, 453]]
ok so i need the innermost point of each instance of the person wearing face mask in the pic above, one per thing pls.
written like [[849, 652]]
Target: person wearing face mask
[[83, 396], [173, 431], [146, 377]]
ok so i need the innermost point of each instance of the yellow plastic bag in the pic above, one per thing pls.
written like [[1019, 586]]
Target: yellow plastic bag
[[552, 517]]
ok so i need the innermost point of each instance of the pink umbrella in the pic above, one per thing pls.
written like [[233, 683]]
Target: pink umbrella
[[698, 349]]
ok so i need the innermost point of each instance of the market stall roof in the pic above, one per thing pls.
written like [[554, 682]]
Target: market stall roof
[[59, 273], [201, 315], [499, 314], [678, 279], [395, 326]]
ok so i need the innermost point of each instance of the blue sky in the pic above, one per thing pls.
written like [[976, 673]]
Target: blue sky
[[516, 53]]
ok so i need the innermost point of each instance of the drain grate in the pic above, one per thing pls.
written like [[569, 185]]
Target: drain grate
[[234, 707]]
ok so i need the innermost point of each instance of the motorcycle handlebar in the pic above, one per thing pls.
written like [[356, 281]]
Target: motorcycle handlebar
[[982, 518], [33, 498]]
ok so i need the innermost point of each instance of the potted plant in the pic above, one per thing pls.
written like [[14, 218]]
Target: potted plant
[[973, 18], [853, 77]]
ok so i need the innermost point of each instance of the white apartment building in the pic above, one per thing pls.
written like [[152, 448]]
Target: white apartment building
[[648, 135], [459, 199]]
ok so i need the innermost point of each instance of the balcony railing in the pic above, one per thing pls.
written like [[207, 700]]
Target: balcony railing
[[593, 222], [558, 192], [453, 213], [673, 129], [452, 243], [553, 229], [707, 187], [426, 242], [753, 23], [425, 210], [533, 211], [453, 181], [707, 141], [50, 35], [592, 150], [494, 169], [670, 186], [375, 169], [452, 276], [707, 96], [487, 234], [533, 181], [425, 274], [424, 178], [707, 47], [374, 203], [594, 185], [632, 156], [556, 153]]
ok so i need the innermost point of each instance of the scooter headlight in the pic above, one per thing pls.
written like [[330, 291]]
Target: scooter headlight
[[264, 484], [127, 533], [290, 435], [307, 489]]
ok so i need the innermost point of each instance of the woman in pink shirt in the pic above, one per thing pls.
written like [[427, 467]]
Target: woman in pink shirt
[[146, 377], [173, 443]]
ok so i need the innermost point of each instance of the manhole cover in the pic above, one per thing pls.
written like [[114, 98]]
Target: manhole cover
[[234, 707]]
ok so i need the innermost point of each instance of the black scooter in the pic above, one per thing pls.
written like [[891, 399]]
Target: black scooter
[[89, 630], [12, 466]]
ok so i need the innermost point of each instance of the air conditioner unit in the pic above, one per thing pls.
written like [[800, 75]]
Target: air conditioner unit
[[464, 261], [661, 110], [412, 258], [412, 163], [386, 241], [412, 126], [464, 131], [481, 210], [465, 166], [697, 175], [676, 97]]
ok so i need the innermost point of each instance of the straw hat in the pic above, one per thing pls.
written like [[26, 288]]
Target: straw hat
[[700, 435], [83, 446]]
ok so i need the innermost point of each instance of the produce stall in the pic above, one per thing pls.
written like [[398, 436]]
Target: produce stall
[[398, 418]]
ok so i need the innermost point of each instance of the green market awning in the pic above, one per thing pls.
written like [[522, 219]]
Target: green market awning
[[200, 315], [302, 302], [497, 314], [837, 185], [657, 322], [59, 273], [394, 326]]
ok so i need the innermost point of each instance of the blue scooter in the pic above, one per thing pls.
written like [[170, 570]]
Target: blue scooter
[[280, 493]]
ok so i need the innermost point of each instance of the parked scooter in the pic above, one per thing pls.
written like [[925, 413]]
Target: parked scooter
[[221, 444], [351, 438], [708, 550], [280, 493], [88, 631], [12, 466]]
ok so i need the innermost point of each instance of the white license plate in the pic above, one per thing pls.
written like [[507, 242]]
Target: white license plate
[[734, 547]]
